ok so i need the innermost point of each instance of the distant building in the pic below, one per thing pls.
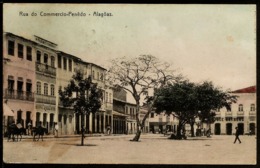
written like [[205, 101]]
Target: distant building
[[162, 122], [119, 114], [241, 115], [130, 109]]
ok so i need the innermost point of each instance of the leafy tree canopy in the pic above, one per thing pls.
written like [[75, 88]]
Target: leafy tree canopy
[[82, 94], [187, 100]]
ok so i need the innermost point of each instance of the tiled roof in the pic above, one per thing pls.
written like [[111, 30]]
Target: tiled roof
[[251, 89]]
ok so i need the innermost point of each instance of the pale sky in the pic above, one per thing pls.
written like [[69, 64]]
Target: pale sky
[[205, 42]]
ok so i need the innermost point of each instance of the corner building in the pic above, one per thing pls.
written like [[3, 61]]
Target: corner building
[[19, 79], [242, 114]]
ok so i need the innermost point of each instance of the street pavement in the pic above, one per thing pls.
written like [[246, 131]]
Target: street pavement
[[118, 149]]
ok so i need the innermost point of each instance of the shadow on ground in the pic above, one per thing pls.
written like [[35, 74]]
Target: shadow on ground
[[77, 144], [86, 145]]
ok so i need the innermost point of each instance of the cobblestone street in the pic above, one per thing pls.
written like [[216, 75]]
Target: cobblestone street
[[152, 149]]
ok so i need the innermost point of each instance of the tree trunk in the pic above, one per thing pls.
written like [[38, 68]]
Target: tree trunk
[[82, 138], [82, 130], [138, 132], [137, 135], [192, 129], [179, 129]]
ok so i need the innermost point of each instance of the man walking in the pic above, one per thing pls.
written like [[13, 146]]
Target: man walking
[[237, 135]]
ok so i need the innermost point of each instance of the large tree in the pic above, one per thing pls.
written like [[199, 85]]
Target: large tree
[[83, 95], [210, 99], [187, 101], [137, 76]]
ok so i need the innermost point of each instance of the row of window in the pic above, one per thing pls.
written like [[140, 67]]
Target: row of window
[[11, 82], [67, 63], [99, 76], [64, 63], [20, 52], [131, 111], [45, 89], [45, 58], [230, 119], [240, 107]]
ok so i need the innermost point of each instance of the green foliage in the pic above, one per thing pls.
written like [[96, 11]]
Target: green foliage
[[189, 100], [81, 94]]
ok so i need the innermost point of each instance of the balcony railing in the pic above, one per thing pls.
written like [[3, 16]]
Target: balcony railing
[[240, 113], [19, 95], [45, 99], [217, 114], [45, 69], [252, 113], [228, 114], [109, 106]]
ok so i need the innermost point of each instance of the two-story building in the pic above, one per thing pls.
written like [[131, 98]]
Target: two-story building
[[242, 114]]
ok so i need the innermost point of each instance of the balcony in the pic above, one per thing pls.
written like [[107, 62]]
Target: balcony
[[218, 114], [19, 95], [43, 68], [240, 113], [228, 114], [252, 113], [45, 99], [252, 118], [108, 106]]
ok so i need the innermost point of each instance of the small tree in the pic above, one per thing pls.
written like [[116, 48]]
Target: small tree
[[137, 75], [83, 95]]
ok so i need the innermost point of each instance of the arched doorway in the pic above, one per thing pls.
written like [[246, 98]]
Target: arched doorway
[[252, 128], [241, 128], [217, 129], [229, 129]]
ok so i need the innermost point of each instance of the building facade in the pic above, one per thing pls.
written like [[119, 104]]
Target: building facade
[[45, 80], [159, 123], [33, 72], [241, 115], [19, 78]]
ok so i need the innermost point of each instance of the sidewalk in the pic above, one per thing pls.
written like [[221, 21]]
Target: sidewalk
[[76, 135]]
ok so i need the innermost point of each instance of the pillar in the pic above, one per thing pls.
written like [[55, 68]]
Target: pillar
[[104, 122], [111, 118], [74, 123], [95, 120], [90, 122], [99, 122]]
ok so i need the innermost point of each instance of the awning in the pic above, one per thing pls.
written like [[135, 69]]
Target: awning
[[7, 110], [119, 114]]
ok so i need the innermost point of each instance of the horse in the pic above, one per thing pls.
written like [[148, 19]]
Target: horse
[[39, 131], [13, 130]]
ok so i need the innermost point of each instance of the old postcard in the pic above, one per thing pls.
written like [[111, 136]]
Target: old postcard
[[129, 84]]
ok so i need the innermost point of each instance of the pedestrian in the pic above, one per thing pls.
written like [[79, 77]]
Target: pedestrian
[[108, 129], [56, 129], [29, 128], [237, 135], [208, 132]]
